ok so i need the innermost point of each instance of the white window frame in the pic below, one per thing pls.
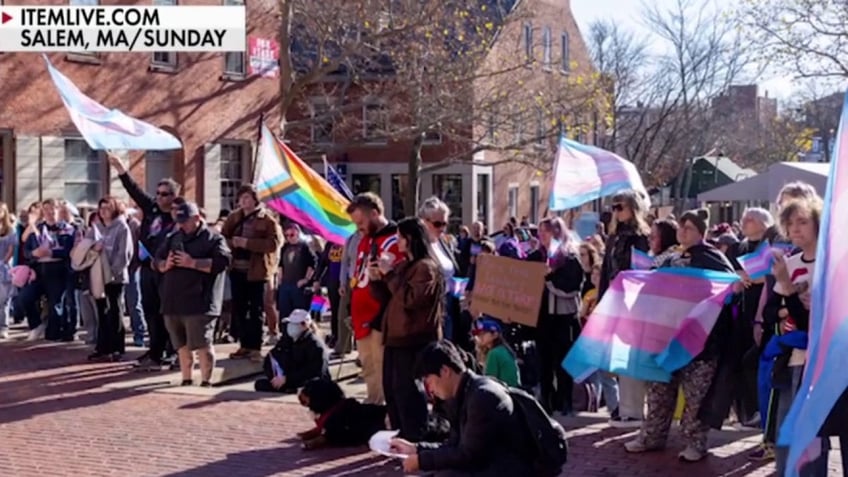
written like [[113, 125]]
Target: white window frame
[[432, 138], [169, 62], [235, 73], [378, 105], [319, 107], [94, 158], [535, 195], [528, 42], [512, 196], [565, 60], [547, 45], [233, 183]]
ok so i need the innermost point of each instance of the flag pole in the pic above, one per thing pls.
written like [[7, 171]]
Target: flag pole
[[253, 168]]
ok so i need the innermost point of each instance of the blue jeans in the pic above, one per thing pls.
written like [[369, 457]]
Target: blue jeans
[[6, 291], [605, 386], [29, 303], [290, 298], [132, 295]]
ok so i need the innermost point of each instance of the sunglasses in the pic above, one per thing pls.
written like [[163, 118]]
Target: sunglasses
[[617, 207], [439, 224], [163, 194]]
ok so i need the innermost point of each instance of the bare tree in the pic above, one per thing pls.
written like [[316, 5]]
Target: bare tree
[[805, 38]]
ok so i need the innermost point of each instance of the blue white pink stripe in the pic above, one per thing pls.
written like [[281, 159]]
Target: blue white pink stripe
[[649, 324], [757, 264], [825, 378], [640, 260], [584, 173]]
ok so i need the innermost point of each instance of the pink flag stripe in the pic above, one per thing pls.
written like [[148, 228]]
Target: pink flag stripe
[[651, 337], [684, 288]]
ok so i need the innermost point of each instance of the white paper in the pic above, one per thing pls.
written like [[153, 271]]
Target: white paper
[[381, 444]]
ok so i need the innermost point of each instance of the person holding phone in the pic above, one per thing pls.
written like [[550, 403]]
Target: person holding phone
[[192, 260]]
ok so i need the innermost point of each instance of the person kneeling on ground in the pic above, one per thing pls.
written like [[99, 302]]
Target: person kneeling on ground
[[298, 357], [483, 420]]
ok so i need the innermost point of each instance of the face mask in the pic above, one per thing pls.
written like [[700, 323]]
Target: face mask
[[294, 330]]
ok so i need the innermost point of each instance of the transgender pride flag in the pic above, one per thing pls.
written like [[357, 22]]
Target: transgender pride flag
[[650, 323], [640, 260], [825, 378], [104, 128], [757, 264], [584, 173]]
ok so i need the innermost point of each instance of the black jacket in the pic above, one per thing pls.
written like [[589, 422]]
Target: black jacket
[[301, 360], [186, 291], [156, 223], [483, 439], [618, 250]]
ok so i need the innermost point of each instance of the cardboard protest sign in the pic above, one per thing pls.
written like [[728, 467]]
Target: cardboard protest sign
[[508, 289]]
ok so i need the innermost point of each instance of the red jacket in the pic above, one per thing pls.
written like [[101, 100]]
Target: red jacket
[[364, 307]]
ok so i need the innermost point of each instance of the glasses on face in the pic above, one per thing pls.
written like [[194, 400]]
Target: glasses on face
[[438, 224], [291, 236], [617, 207], [163, 193]]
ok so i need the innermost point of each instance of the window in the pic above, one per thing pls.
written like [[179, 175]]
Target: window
[[233, 3], [540, 127], [322, 122], [528, 42], [83, 173], [166, 59], [448, 187], [534, 203], [234, 63], [512, 200], [233, 162], [566, 62], [83, 3], [483, 198], [157, 166], [374, 121], [366, 183], [432, 138], [399, 188], [547, 44], [82, 56]]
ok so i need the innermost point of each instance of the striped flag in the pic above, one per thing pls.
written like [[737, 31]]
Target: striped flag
[[458, 286], [143, 253], [584, 173], [319, 304], [335, 180], [825, 378], [650, 323], [104, 128], [640, 260], [757, 264]]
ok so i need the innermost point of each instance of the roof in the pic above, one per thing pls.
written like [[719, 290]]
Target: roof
[[765, 187], [727, 167]]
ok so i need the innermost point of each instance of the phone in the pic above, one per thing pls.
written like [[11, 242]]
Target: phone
[[178, 247], [375, 251]]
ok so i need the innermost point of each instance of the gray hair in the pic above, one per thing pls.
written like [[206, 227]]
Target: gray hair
[[796, 190], [759, 214], [433, 206]]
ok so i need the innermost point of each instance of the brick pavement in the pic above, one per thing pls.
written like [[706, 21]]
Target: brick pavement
[[60, 416]]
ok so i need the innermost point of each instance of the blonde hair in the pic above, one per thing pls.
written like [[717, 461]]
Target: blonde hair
[[7, 225], [637, 204]]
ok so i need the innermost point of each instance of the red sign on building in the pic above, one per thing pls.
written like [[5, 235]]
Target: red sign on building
[[263, 57]]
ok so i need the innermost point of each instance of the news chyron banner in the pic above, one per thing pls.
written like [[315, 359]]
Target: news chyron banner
[[48, 29]]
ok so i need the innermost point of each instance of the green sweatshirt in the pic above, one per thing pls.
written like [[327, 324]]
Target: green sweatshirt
[[501, 364]]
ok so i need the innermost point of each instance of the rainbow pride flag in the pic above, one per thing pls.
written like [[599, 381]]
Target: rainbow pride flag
[[584, 173], [292, 188], [640, 260], [825, 378], [650, 323]]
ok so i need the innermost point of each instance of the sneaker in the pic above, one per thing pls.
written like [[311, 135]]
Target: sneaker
[[638, 445], [619, 422], [4, 334], [138, 342], [690, 454], [763, 453], [753, 423], [205, 384], [614, 414], [240, 353], [37, 333], [254, 356]]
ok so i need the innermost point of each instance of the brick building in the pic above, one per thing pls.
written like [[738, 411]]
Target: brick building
[[209, 102]]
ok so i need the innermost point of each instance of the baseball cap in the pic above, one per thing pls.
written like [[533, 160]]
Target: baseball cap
[[298, 316], [487, 324], [186, 210]]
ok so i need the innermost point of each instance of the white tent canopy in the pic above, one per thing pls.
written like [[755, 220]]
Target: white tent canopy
[[764, 187]]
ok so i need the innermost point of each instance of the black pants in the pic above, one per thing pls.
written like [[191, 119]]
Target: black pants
[[110, 323], [335, 300], [151, 303], [555, 336], [407, 405], [263, 385], [248, 307], [53, 278]]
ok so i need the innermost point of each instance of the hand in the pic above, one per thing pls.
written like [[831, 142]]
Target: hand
[[116, 162], [98, 246], [184, 260], [778, 268], [788, 326], [239, 242], [402, 446], [805, 299], [34, 217], [410, 464], [302, 283], [278, 382], [758, 334], [739, 287], [316, 288], [40, 252], [169, 263], [374, 272]]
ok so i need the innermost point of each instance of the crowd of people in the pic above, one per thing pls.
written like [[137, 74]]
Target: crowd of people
[[392, 297]]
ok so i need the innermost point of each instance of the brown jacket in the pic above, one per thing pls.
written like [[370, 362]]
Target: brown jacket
[[264, 240], [413, 294]]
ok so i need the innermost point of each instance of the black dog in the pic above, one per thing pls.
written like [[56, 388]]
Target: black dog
[[341, 421]]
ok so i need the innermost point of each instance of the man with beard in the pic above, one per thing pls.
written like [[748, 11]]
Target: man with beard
[[378, 244]]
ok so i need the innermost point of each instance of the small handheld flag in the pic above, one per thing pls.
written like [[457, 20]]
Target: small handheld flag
[[458, 286], [640, 260], [757, 264], [143, 254], [319, 304]]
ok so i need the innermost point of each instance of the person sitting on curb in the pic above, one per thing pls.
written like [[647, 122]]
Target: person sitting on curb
[[298, 357]]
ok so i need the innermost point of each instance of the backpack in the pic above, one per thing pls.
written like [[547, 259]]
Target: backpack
[[548, 443]]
